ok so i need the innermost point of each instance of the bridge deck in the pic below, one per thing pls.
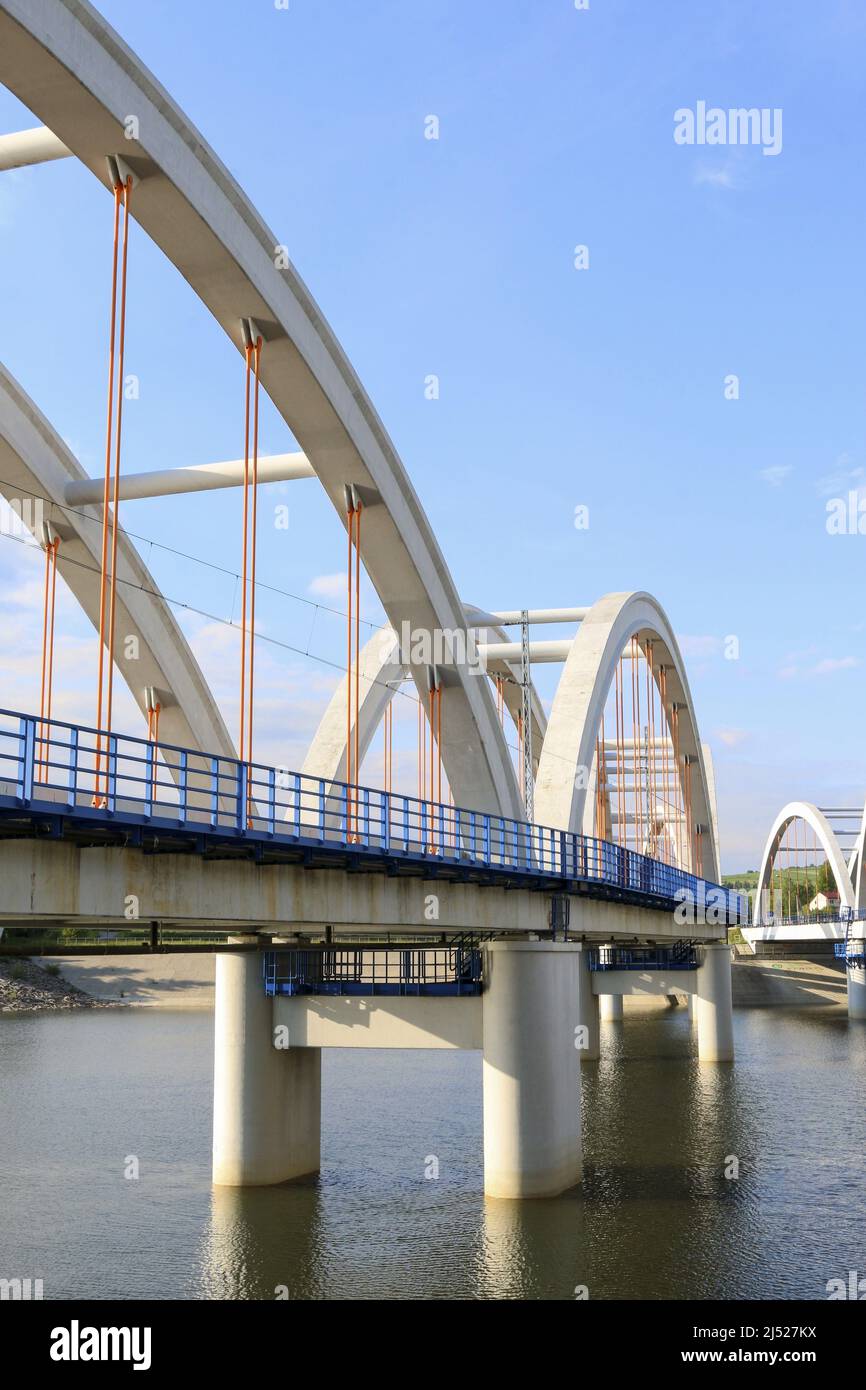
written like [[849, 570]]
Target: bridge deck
[[71, 782]]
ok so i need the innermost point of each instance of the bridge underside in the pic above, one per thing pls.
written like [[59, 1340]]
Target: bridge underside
[[168, 840], [794, 932], [59, 883]]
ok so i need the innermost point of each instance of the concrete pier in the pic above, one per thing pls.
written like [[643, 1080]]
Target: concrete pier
[[856, 991], [267, 1100], [714, 1008], [531, 1067], [610, 1008], [587, 1012]]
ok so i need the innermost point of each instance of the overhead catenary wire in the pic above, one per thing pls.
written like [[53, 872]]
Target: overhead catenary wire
[[184, 605], [262, 585]]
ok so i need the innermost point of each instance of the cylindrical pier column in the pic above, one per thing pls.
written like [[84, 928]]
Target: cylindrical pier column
[[589, 1038], [610, 1007], [532, 1035], [714, 1008], [856, 991], [267, 1100]]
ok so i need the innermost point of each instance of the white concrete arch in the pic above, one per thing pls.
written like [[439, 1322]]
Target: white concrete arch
[[561, 798], [857, 864], [381, 672], [380, 675], [818, 823], [63, 61], [853, 866], [36, 464], [710, 771]]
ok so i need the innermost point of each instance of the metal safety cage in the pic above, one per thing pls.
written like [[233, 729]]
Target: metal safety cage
[[418, 970], [680, 955]]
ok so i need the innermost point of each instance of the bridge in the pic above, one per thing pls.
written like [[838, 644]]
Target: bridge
[[495, 905], [812, 888]]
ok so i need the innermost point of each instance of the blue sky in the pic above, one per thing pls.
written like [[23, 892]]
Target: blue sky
[[558, 387]]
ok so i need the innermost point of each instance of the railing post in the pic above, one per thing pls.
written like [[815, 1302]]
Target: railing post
[[240, 809], [73, 769], [272, 800], [214, 791], [149, 762], [322, 809], [385, 810], [27, 735], [366, 803], [297, 804], [182, 785], [406, 823], [111, 774], [485, 838]]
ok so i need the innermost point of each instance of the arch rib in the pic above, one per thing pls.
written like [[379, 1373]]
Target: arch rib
[[561, 796], [817, 821], [35, 463], [72, 70], [381, 673]]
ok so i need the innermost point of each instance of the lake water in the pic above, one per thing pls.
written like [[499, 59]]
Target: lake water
[[656, 1218]]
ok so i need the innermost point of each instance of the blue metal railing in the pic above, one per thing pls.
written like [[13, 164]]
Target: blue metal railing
[[53, 767], [365, 970], [680, 955], [830, 916], [853, 949], [853, 952]]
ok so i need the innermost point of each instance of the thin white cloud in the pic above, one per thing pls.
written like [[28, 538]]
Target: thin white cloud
[[717, 178], [328, 585], [843, 479], [732, 738], [827, 666], [830, 664], [699, 647], [776, 474]]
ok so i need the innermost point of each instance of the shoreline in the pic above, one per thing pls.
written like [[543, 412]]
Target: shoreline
[[28, 988], [185, 981]]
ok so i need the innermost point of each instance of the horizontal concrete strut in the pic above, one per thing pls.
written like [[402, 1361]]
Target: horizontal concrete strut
[[36, 146]]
